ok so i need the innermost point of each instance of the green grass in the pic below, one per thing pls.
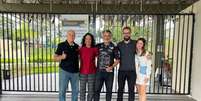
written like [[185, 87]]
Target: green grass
[[41, 55], [19, 72], [37, 56], [43, 70], [7, 60]]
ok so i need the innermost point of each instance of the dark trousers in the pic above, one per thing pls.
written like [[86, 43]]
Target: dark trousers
[[101, 78], [130, 76]]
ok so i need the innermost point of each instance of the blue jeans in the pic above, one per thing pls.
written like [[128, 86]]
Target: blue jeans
[[64, 78]]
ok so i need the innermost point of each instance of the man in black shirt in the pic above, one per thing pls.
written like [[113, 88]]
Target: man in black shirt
[[67, 55], [127, 71], [105, 72]]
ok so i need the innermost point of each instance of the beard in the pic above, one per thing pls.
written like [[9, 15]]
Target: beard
[[127, 38]]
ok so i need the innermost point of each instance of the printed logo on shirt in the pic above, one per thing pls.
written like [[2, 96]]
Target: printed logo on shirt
[[143, 70], [104, 60], [111, 48]]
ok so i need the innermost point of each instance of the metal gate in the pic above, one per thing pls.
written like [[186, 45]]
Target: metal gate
[[28, 41]]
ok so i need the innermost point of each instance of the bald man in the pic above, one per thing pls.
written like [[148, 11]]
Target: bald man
[[67, 55]]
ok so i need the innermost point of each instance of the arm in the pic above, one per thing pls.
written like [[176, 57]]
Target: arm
[[116, 54], [116, 62], [59, 54], [96, 51], [110, 68], [149, 64], [59, 57], [137, 64], [149, 68], [117, 57]]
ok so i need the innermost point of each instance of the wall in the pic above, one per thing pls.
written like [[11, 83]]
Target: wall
[[196, 65]]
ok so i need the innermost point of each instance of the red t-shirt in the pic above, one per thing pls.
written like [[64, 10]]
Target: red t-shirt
[[87, 57]]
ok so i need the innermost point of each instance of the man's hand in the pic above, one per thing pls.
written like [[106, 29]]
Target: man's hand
[[63, 56], [109, 69], [146, 80], [59, 57], [149, 55]]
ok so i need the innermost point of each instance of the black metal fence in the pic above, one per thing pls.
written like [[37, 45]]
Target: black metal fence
[[28, 41]]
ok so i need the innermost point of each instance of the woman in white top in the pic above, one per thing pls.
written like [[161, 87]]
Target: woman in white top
[[143, 68]]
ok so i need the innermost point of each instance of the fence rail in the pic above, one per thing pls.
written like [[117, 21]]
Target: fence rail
[[28, 41]]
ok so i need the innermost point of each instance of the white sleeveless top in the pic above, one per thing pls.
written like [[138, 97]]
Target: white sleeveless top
[[143, 68]]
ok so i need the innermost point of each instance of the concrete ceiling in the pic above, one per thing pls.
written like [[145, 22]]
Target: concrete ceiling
[[102, 1], [97, 6]]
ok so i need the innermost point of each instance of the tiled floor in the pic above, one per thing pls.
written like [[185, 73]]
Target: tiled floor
[[53, 97]]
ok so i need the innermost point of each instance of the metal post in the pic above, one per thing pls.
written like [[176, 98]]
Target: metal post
[[159, 46], [0, 76]]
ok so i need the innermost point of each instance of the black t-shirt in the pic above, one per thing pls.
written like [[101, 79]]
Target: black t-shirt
[[106, 56], [71, 63]]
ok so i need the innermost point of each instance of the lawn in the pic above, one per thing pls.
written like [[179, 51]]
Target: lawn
[[18, 70]]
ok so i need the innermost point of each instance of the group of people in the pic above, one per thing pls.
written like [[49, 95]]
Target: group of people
[[97, 63]]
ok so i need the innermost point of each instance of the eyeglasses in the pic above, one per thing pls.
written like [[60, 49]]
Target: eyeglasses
[[127, 33]]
